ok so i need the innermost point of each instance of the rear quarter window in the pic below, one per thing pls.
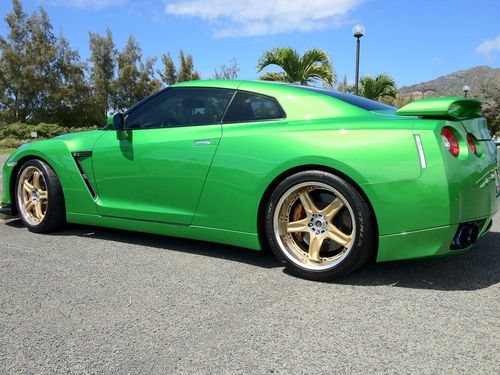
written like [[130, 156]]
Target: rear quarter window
[[247, 106]]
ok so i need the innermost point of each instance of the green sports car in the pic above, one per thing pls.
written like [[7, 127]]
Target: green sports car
[[324, 179]]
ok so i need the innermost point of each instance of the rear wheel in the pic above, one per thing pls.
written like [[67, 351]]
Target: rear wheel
[[39, 197], [319, 226]]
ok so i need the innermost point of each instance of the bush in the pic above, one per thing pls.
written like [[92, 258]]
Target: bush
[[13, 135], [10, 143]]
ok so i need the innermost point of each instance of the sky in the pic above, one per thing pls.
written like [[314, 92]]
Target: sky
[[413, 41]]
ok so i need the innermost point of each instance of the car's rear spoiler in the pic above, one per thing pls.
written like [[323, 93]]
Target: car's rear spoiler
[[448, 108]]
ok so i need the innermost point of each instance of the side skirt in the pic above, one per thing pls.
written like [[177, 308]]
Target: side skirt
[[228, 237]]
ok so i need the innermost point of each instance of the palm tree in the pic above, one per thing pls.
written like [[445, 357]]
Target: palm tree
[[314, 65], [382, 86]]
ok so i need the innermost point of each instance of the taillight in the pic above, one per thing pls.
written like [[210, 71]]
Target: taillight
[[450, 142], [472, 144]]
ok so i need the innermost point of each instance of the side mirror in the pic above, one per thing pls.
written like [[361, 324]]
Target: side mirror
[[117, 121]]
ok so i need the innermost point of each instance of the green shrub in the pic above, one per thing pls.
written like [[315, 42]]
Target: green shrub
[[10, 143], [21, 133]]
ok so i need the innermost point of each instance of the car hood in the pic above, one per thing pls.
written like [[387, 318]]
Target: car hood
[[80, 141], [78, 136]]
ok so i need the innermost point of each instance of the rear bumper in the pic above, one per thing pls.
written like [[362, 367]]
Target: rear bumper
[[424, 243]]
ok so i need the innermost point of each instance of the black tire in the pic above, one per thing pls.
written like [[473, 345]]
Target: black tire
[[55, 214], [361, 247]]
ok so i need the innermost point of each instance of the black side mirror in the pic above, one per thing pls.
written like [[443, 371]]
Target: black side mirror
[[117, 121]]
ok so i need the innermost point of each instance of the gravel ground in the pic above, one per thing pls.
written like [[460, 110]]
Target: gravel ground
[[102, 301]]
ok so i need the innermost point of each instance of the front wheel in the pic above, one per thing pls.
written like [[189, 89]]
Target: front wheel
[[319, 226], [39, 197]]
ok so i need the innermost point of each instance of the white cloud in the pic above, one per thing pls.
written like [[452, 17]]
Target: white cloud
[[489, 45], [95, 4], [260, 17]]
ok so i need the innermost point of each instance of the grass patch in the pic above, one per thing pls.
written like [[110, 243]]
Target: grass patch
[[6, 151]]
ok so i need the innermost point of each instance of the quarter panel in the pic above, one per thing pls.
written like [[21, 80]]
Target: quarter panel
[[251, 156]]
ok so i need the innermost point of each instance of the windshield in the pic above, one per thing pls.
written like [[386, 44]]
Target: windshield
[[358, 101]]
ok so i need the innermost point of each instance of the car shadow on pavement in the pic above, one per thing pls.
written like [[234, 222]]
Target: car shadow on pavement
[[478, 269], [256, 258]]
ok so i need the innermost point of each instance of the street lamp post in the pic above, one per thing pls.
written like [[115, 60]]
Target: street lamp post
[[466, 89], [358, 31]]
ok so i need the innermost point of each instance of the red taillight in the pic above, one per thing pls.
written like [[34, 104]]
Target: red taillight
[[450, 141], [472, 144]]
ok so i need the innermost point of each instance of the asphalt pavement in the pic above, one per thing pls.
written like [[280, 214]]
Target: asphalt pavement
[[103, 301]]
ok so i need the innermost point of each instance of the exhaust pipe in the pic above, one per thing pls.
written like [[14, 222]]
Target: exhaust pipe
[[467, 234], [462, 238], [474, 233]]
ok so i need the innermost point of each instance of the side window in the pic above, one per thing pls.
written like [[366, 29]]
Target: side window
[[247, 106], [180, 106]]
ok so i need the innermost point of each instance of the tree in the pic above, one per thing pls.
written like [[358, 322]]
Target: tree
[[344, 86], [41, 76], [399, 101], [186, 69], [135, 77], [170, 74], [378, 88], [14, 75], [102, 72], [44, 72], [72, 103], [491, 109], [312, 66], [227, 72]]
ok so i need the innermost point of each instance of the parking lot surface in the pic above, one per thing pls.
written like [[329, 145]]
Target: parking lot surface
[[96, 300]]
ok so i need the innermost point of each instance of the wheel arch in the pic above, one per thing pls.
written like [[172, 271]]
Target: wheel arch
[[301, 168], [15, 173]]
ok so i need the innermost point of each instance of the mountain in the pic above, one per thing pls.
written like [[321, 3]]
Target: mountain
[[452, 84]]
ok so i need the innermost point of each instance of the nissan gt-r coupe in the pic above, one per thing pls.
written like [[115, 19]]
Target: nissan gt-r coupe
[[325, 179]]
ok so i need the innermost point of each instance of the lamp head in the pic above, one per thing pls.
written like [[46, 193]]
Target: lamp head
[[358, 31]]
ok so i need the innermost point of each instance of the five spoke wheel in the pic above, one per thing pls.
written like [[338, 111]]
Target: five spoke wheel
[[319, 225], [314, 225], [32, 195]]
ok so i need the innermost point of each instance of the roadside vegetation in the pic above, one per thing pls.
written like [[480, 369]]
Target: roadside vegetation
[[6, 151], [56, 92], [14, 135]]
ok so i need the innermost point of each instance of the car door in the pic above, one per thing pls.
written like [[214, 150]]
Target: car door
[[155, 169]]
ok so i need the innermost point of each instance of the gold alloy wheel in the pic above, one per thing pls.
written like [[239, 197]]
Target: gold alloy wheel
[[32, 195], [314, 225]]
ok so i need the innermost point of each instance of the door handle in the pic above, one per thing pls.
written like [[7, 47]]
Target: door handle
[[203, 142]]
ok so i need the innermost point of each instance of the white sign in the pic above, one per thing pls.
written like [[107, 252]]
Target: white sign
[[34, 134]]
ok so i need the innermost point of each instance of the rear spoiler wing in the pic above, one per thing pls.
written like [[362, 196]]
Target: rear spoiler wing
[[448, 108]]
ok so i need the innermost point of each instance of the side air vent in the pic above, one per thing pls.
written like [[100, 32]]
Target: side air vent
[[77, 156]]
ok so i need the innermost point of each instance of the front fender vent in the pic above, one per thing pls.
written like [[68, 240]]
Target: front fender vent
[[77, 156]]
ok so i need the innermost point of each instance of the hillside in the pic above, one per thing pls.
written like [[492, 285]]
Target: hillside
[[453, 83]]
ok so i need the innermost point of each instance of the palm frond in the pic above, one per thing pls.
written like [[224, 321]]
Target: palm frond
[[313, 65], [275, 76], [379, 87]]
